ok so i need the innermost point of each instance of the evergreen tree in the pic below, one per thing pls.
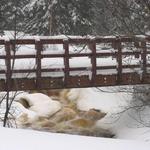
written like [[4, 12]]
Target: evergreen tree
[[12, 14], [103, 21], [121, 17], [46, 17], [83, 17], [130, 16], [2, 18]]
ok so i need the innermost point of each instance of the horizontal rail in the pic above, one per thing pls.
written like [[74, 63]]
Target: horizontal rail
[[72, 69], [98, 54], [75, 40]]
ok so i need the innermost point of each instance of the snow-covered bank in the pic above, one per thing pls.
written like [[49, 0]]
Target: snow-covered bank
[[124, 126], [16, 139], [109, 102]]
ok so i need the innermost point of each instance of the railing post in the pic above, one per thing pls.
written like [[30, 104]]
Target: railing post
[[8, 65], [119, 60], [114, 44], [143, 56], [136, 44], [39, 48], [93, 60], [66, 61]]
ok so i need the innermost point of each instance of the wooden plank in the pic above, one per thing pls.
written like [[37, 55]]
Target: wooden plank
[[2, 42], [39, 48], [92, 46], [119, 60], [130, 78], [71, 69], [52, 41], [136, 44], [66, 62], [98, 54], [76, 82], [79, 81], [78, 39], [106, 80], [144, 61], [8, 65], [23, 41]]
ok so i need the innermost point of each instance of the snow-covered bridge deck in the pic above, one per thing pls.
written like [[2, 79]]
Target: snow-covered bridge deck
[[73, 62]]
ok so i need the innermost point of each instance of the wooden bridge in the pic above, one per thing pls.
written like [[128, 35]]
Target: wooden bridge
[[100, 61]]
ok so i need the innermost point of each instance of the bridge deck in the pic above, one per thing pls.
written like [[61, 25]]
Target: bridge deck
[[73, 62]]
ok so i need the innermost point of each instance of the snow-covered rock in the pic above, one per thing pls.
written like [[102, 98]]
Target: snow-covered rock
[[41, 104]]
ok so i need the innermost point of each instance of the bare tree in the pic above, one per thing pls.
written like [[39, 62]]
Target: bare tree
[[9, 97]]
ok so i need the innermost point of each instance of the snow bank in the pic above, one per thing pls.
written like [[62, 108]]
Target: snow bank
[[89, 98], [123, 125], [111, 102], [16, 139]]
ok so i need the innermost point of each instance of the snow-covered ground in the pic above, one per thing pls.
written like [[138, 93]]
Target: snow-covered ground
[[135, 138], [123, 125], [16, 139]]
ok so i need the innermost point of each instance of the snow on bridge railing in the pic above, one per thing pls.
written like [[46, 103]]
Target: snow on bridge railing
[[72, 39], [96, 59]]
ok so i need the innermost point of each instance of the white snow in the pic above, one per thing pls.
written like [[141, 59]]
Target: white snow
[[42, 104], [52, 63], [107, 102], [111, 102], [16, 139], [25, 49], [32, 116], [123, 125]]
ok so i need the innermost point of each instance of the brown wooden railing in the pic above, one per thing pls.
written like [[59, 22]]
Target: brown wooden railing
[[138, 47]]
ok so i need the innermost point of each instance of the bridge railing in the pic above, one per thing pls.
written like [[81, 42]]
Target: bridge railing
[[120, 47]]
